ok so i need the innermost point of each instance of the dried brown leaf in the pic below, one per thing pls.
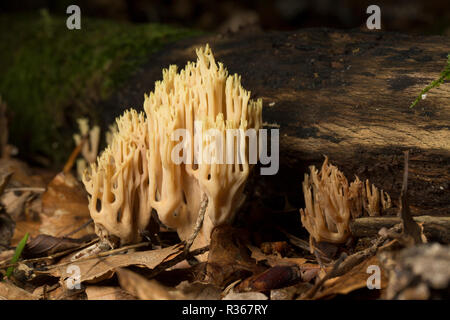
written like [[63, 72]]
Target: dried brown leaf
[[99, 268], [44, 245], [9, 291], [229, 258], [107, 293], [199, 291], [65, 207], [245, 296], [355, 279], [7, 226], [25, 226], [144, 289]]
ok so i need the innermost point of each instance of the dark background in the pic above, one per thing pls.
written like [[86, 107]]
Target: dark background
[[409, 16]]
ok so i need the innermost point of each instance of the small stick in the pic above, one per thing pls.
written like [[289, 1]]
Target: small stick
[[84, 225], [50, 257], [103, 254], [410, 227], [69, 164], [329, 275], [37, 190], [185, 255], [345, 264], [198, 223]]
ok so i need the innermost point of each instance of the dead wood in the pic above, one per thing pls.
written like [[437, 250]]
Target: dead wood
[[435, 228]]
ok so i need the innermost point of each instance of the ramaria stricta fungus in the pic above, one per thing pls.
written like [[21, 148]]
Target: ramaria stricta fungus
[[331, 202], [138, 172], [327, 212]]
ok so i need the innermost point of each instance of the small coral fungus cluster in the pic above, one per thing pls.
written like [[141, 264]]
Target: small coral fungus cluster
[[140, 170], [331, 202]]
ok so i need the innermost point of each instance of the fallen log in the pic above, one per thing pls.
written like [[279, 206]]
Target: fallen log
[[435, 228], [344, 94]]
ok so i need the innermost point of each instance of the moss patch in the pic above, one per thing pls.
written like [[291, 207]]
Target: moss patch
[[51, 75]]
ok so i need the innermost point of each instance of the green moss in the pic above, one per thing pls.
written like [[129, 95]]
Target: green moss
[[50, 75], [445, 75]]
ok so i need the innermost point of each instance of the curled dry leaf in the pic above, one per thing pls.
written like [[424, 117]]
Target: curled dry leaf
[[44, 245]]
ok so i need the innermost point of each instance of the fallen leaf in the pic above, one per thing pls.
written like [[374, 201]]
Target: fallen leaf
[[95, 269], [7, 226], [199, 291], [4, 180], [22, 174], [107, 293], [65, 207], [14, 203], [44, 245], [277, 247], [229, 258], [9, 291], [25, 226], [245, 296], [355, 279], [144, 289], [275, 260], [289, 293]]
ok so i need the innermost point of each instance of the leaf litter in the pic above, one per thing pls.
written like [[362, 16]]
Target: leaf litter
[[241, 262]]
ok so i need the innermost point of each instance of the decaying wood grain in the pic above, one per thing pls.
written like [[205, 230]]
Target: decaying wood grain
[[435, 228], [345, 94]]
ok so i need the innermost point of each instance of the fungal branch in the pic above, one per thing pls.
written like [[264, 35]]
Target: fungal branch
[[145, 167], [331, 202]]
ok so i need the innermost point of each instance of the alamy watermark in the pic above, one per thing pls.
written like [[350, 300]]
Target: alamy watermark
[[74, 20], [74, 280], [231, 146], [374, 20], [374, 281]]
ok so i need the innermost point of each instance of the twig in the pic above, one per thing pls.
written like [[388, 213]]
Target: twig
[[31, 189], [102, 254], [84, 225], [176, 260], [69, 164], [345, 264], [50, 257], [410, 227], [329, 275], [300, 243], [198, 223], [435, 228]]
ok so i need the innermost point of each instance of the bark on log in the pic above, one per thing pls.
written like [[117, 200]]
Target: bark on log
[[345, 94], [435, 228]]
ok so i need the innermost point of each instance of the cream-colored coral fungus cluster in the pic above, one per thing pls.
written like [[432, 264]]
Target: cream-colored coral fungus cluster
[[331, 202], [139, 170]]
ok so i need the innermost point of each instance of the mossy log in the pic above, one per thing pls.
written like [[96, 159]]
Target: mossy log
[[344, 94]]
